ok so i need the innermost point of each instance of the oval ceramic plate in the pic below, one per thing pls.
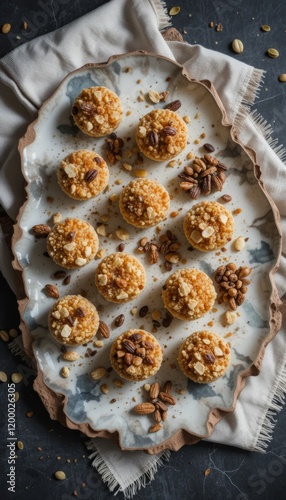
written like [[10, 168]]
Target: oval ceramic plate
[[48, 140]]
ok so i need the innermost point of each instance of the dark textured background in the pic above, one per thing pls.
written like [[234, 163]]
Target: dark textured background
[[235, 474]]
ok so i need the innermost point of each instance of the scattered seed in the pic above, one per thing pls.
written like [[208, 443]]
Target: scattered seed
[[211, 24], [119, 320], [25, 25], [6, 28], [140, 172], [219, 27], [20, 445], [59, 275], [239, 243], [273, 53], [65, 372], [13, 333], [154, 96], [3, 377], [98, 373], [207, 472], [226, 198], [67, 280], [4, 336], [282, 77], [265, 27], [143, 311], [230, 317], [237, 46], [16, 377], [122, 234], [70, 356], [16, 396], [29, 414], [118, 383], [104, 389], [60, 475], [209, 148], [174, 11]]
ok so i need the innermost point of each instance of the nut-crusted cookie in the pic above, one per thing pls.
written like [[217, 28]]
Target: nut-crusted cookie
[[73, 320], [144, 203], [204, 357], [188, 294], [72, 243], [136, 355], [97, 111], [120, 277], [208, 226], [83, 174], [161, 134]]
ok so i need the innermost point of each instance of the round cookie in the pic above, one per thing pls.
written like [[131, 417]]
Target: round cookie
[[161, 134], [204, 357], [144, 203], [188, 294], [73, 320], [83, 174], [208, 225], [97, 111], [136, 355], [120, 277], [72, 243]]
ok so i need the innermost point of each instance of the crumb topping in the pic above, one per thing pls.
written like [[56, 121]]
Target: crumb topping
[[83, 174], [144, 203], [97, 111], [208, 226], [161, 134], [136, 355], [120, 277], [72, 243], [73, 320], [204, 357], [188, 294]]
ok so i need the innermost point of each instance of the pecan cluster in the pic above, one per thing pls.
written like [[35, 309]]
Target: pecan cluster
[[206, 175], [135, 351], [114, 145], [232, 284], [159, 398], [154, 137], [167, 246]]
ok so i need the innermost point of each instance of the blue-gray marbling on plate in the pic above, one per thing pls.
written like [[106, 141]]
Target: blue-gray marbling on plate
[[132, 77]]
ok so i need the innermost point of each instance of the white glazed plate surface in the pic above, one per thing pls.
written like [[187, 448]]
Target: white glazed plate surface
[[132, 76]]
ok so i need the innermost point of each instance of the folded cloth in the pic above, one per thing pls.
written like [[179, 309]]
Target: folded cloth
[[28, 77]]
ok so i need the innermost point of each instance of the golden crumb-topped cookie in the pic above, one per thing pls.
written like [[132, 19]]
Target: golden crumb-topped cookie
[[73, 320], [208, 226], [97, 111], [83, 174], [120, 277], [144, 203], [204, 357], [72, 243], [188, 294], [161, 134], [136, 355]]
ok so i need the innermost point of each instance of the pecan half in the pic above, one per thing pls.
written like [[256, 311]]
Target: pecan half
[[52, 291], [174, 105], [41, 230], [90, 175]]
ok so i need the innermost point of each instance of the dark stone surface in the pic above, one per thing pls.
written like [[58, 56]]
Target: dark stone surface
[[235, 474]]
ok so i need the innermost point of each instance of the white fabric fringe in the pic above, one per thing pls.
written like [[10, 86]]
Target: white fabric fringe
[[164, 20], [275, 406], [128, 487]]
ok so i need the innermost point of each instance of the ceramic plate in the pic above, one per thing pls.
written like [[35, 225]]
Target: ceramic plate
[[47, 142]]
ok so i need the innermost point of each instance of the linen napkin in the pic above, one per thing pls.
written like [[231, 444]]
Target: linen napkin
[[31, 73]]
